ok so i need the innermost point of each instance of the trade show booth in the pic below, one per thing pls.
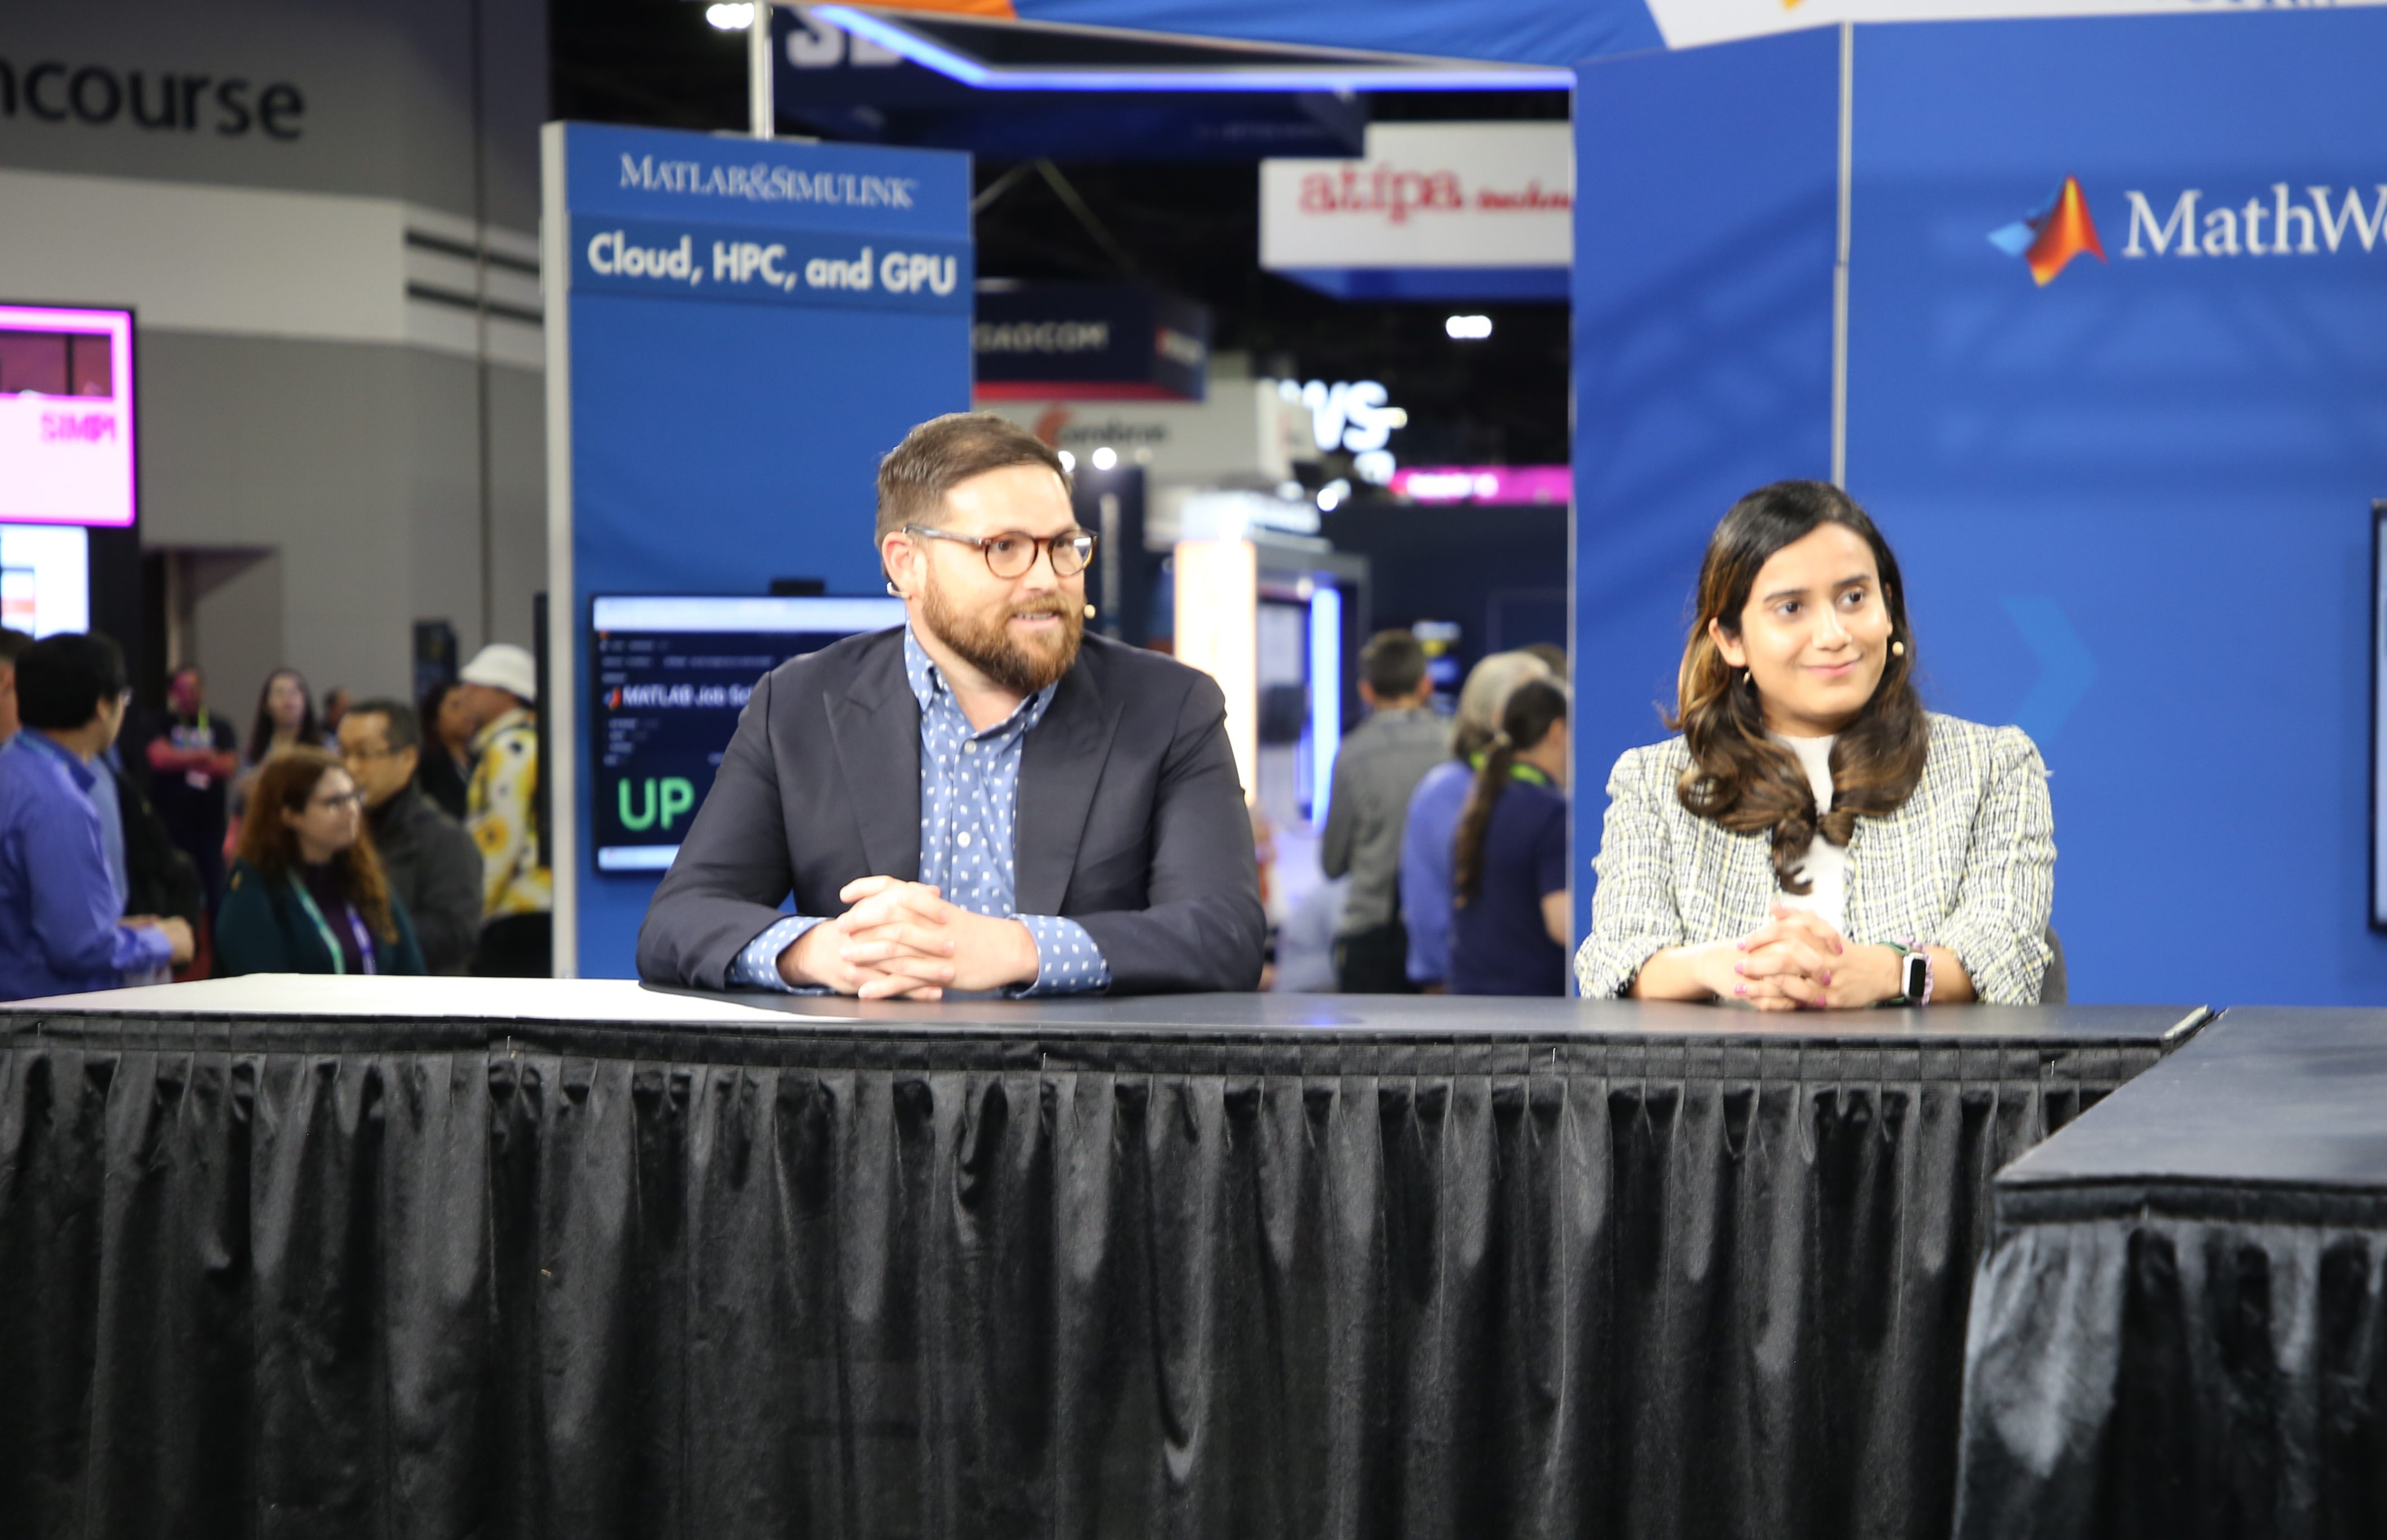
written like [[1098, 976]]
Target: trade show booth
[[2091, 315]]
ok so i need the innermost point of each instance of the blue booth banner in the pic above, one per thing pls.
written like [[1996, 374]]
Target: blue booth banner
[[737, 331], [2091, 315]]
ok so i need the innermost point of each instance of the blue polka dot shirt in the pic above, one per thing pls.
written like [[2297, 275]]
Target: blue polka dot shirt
[[970, 799]]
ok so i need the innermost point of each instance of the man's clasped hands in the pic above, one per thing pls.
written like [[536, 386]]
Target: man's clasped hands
[[904, 940]]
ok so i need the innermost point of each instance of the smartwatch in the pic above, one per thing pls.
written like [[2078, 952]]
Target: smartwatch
[[1916, 974]]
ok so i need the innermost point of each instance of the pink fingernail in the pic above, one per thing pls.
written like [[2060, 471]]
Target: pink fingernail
[[1740, 989], [1742, 968], [1828, 975]]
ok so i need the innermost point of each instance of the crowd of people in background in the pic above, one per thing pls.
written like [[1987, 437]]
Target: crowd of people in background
[[1445, 846], [379, 836], [368, 836]]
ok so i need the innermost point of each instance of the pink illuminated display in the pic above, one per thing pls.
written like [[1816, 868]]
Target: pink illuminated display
[[66, 416], [1486, 484]]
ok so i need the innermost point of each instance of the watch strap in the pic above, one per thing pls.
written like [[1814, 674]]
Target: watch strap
[[1914, 972]]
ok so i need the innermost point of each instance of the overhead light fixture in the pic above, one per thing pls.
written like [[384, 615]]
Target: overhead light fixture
[[1469, 328], [1049, 56], [735, 18], [1105, 458]]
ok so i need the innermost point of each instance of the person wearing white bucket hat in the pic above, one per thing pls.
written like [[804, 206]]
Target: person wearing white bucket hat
[[500, 688]]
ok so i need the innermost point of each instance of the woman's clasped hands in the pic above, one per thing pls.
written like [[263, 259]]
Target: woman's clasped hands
[[1796, 961]]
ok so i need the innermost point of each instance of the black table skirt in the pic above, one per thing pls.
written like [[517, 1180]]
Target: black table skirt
[[2180, 1330], [2183, 1370], [260, 1278]]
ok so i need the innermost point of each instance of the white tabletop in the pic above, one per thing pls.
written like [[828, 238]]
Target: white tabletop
[[323, 994], [624, 1000]]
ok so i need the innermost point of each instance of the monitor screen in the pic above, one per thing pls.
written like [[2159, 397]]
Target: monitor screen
[[44, 579], [2379, 715], [66, 416], [670, 676]]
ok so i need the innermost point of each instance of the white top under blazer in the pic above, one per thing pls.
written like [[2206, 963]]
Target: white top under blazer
[[1967, 862]]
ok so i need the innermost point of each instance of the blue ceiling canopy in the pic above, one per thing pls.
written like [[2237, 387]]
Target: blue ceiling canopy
[[831, 82], [1044, 55], [1512, 31]]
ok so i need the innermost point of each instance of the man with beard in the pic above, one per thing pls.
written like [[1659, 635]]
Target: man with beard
[[984, 799]]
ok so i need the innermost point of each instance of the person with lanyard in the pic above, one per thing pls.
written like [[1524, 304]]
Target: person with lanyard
[[1814, 837], [308, 894], [1508, 868], [192, 756], [1430, 829]]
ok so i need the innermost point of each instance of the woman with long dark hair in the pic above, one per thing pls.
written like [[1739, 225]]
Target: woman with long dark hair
[[285, 718], [307, 894], [1815, 838], [1509, 862], [445, 769]]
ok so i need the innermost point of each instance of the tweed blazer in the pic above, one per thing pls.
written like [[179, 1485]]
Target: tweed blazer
[[1968, 864]]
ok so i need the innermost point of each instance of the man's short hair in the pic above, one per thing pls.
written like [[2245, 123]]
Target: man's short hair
[[1393, 664], [405, 729], [12, 645], [63, 680], [943, 452]]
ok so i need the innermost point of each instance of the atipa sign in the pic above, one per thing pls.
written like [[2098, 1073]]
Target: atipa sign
[[1426, 196]]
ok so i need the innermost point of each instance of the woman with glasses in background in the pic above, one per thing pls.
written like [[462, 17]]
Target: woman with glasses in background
[[307, 894]]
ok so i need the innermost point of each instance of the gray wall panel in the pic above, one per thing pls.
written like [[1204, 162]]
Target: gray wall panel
[[387, 113], [357, 463], [325, 493]]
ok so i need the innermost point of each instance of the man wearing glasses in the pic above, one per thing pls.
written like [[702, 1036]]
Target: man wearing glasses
[[986, 799], [431, 863]]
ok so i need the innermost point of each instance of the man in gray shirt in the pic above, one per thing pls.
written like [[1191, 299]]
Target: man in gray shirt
[[1381, 763]]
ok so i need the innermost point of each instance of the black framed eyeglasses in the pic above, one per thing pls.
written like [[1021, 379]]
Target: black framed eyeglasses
[[1012, 553]]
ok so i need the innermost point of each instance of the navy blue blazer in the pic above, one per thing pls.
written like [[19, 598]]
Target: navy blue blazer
[[1130, 820]]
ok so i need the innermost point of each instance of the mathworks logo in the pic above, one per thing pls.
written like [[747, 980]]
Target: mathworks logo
[[2051, 238], [2322, 221], [2270, 224]]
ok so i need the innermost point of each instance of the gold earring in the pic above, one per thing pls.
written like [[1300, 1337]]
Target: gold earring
[[1897, 649], [1090, 611]]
